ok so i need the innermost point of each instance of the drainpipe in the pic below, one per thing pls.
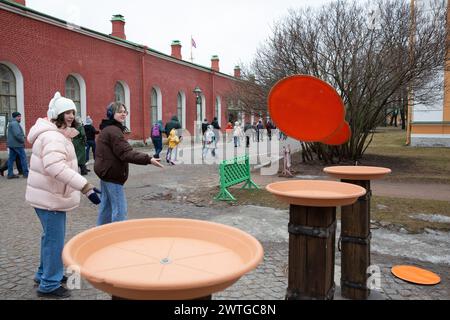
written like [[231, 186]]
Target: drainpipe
[[143, 93], [213, 93]]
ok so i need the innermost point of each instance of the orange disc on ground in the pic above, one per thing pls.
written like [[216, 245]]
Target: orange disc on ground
[[415, 275], [339, 137], [306, 108]]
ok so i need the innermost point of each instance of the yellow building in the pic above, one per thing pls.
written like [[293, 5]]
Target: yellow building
[[430, 124]]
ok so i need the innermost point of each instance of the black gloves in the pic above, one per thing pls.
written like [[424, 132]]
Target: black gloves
[[92, 195]]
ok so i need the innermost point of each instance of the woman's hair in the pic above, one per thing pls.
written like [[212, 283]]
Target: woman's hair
[[60, 122], [114, 108]]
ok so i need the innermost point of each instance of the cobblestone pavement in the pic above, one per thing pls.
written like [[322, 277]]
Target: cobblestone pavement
[[152, 192]]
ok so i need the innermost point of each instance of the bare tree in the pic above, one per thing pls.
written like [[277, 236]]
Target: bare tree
[[371, 65]]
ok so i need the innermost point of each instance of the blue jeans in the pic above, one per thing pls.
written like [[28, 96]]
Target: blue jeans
[[237, 142], [89, 144], [51, 269], [113, 206], [157, 143], [13, 153]]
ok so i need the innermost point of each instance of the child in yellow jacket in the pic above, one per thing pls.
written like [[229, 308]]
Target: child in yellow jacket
[[173, 141]]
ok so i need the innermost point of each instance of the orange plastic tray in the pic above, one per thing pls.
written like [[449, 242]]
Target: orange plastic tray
[[306, 108], [163, 258], [415, 275], [316, 193], [341, 136], [357, 172]]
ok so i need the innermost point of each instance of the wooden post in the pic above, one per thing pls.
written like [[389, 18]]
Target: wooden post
[[312, 232], [355, 244]]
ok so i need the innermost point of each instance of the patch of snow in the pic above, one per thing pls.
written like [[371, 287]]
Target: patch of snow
[[431, 217]]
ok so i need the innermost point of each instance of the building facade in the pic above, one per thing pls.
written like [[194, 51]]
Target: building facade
[[430, 124], [40, 55]]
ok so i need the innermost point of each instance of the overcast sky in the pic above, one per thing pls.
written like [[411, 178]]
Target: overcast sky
[[232, 29]]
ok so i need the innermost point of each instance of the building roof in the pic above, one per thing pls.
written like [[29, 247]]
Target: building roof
[[33, 14]]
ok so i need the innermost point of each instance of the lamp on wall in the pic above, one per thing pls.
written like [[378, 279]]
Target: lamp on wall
[[198, 98]]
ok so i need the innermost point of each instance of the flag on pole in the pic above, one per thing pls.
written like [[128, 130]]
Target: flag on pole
[[193, 43]]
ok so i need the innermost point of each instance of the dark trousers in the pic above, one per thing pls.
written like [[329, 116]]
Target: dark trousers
[[157, 143], [89, 144], [4, 167], [13, 154]]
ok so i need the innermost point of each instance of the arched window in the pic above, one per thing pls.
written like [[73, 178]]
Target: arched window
[[8, 99], [119, 93], [73, 92], [154, 106], [122, 94]]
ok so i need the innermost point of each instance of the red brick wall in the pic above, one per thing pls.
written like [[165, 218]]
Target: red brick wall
[[47, 54]]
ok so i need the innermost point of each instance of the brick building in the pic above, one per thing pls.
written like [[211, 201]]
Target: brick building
[[40, 54]]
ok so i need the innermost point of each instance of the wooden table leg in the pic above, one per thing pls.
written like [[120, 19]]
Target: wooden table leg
[[312, 232], [355, 245]]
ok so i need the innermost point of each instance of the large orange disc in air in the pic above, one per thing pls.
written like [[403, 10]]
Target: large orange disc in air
[[341, 136], [306, 108], [415, 275]]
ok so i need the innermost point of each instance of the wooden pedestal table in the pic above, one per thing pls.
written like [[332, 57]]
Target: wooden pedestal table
[[312, 231], [163, 259], [355, 230]]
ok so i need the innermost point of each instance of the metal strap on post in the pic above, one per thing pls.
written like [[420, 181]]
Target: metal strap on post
[[353, 285], [355, 240], [312, 231]]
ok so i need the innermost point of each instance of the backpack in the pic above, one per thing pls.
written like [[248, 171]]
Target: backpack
[[156, 133]]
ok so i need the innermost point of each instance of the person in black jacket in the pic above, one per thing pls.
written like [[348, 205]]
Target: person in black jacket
[[216, 129], [90, 137], [174, 123]]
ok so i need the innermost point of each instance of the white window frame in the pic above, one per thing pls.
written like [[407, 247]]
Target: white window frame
[[83, 98], [126, 89], [183, 108], [219, 110], [20, 97]]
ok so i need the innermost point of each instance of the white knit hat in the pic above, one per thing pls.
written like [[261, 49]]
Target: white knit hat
[[59, 105]]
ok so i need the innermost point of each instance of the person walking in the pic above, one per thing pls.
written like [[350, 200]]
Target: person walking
[[259, 131], [156, 135], [174, 123], [237, 134], [90, 131], [53, 188], [209, 138], [205, 125], [16, 146], [79, 142], [229, 131], [173, 141], [216, 129], [248, 132], [112, 156]]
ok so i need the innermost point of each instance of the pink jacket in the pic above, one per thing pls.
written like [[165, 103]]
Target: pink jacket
[[53, 183]]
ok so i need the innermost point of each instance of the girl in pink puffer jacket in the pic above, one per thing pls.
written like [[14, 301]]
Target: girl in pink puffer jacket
[[53, 188]]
